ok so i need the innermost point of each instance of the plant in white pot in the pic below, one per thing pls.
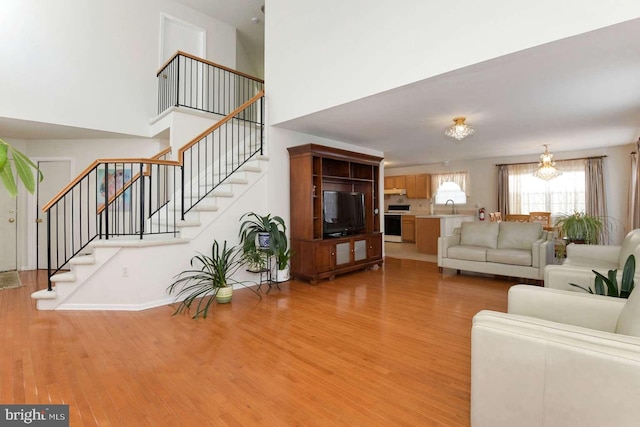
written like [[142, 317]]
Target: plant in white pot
[[282, 262], [210, 280]]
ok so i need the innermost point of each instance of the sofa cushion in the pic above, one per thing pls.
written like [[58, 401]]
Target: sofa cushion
[[510, 256], [629, 320], [479, 233], [518, 235], [469, 253]]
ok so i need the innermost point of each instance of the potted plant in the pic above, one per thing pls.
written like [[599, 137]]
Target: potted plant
[[580, 227], [23, 165], [255, 229], [282, 261], [210, 279], [256, 259]]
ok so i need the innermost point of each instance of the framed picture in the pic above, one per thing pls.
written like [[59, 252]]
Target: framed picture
[[117, 177]]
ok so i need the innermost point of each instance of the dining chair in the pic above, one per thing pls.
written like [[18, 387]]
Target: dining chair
[[498, 216], [543, 218], [492, 217], [516, 217]]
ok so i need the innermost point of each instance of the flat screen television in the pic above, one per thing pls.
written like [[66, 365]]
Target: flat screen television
[[343, 213]]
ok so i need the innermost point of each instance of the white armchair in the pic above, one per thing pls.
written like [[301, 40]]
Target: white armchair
[[557, 359], [582, 259]]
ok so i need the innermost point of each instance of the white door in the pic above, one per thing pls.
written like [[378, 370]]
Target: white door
[[8, 225], [57, 174]]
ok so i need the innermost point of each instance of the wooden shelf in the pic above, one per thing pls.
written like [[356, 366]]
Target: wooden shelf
[[319, 168]]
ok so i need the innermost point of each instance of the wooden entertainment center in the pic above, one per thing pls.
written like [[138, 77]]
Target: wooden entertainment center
[[314, 169]]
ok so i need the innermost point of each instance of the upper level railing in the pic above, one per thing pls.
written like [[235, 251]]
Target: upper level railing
[[188, 81]]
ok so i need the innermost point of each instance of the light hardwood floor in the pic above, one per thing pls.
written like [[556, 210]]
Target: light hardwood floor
[[385, 347]]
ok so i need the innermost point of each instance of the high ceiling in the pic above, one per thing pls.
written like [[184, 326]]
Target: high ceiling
[[578, 93]]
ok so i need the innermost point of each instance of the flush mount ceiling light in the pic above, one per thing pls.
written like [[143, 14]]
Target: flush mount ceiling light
[[459, 129], [546, 167]]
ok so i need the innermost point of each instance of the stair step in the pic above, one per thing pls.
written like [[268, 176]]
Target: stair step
[[44, 294], [83, 260], [237, 180], [68, 276], [222, 193]]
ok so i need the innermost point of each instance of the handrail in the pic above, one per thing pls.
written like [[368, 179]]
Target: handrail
[[188, 55], [195, 140], [134, 196], [98, 162]]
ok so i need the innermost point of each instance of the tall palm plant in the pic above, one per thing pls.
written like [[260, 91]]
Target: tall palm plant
[[24, 169]]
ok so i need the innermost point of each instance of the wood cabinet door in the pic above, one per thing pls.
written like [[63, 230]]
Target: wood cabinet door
[[375, 247], [410, 181], [389, 182], [423, 186], [409, 228], [325, 256]]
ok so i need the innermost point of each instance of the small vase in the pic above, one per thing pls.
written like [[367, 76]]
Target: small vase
[[224, 295]]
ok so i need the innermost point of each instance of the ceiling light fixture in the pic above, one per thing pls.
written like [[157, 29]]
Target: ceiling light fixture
[[546, 167], [459, 129]]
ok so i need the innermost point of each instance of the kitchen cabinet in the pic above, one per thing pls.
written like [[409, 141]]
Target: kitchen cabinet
[[418, 186], [391, 182], [430, 227], [408, 228]]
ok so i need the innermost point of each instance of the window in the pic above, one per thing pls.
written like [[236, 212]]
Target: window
[[442, 185], [564, 194]]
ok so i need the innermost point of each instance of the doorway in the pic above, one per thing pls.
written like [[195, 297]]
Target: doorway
[[8, 231]]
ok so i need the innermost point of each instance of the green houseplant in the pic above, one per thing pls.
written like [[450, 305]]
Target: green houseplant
[[580, 227], [24, 169], [210, 280], [611, 281], [282, 260], [255, 226], [256, 259]]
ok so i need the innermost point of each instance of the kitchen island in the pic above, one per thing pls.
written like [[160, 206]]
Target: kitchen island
[[430, 227]]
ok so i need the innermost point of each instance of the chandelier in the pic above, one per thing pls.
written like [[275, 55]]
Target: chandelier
[[546, 167], [459, 129]]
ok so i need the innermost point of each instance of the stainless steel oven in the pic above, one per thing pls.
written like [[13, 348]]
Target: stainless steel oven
[[393, 222]]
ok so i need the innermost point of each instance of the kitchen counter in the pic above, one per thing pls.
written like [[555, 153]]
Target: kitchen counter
[[430, 227]]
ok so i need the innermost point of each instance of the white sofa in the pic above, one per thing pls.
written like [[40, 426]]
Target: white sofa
[[557, 359], [514, 249], [583, 259]]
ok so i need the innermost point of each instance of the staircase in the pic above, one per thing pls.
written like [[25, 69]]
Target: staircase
[[118, 245]]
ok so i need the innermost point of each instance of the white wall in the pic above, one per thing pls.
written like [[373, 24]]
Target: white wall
[[92, 64], [322, 54], [483, 176], [278, 142]]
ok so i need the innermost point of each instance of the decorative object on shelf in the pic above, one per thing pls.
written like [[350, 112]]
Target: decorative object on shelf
[[459, 129], [23, 167], [546, 167], [210, 280], [579, 227], [626, 285]]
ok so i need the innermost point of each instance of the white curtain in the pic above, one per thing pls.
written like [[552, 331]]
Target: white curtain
[[460, 178], [564, 194]]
